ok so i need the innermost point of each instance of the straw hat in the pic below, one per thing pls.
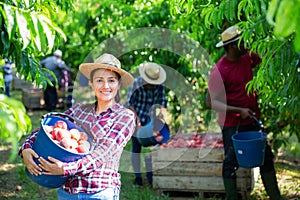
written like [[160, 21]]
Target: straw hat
[[107, 61], [231, 34], [152, 73]]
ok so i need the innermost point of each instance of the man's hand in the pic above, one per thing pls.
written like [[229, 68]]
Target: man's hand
[[246, 112]]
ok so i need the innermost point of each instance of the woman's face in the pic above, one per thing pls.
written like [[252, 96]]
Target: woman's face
[[105, 84]]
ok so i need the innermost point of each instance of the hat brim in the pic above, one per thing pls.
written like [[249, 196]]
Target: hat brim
[[161, 79], [221, 43], [86, 69]]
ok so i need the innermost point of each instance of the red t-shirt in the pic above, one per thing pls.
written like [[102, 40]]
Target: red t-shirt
[[232, 77]]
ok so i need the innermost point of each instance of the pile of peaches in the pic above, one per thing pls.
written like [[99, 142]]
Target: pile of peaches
[[73, 140], [194, 140]]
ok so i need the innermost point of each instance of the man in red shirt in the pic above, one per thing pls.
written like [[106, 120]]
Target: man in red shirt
[[229, 96]]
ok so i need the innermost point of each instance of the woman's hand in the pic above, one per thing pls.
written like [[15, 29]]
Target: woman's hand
[[32, 167], [55, 167]]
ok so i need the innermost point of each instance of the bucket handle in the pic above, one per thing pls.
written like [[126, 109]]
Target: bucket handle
[[72, 120], [258, 121]]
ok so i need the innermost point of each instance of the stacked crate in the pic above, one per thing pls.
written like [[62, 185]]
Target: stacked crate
[[195, 170], [33, 98]]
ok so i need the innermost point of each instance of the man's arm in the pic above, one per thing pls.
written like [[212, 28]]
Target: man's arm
[[215, 102]]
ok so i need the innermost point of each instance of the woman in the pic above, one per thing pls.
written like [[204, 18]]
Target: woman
[[96, 175]]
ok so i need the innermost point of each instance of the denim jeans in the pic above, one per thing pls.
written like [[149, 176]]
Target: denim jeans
[[230, 164], [7, 88], [136, 149], [107, 194]]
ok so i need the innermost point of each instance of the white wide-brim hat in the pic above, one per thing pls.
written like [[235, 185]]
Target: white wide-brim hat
[[152, 73], [107, 61], [230, 35]]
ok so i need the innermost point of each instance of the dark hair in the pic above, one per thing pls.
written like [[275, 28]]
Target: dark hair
[[117, 97]]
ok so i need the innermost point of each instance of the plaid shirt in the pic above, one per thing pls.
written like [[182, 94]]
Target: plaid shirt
[[145, 100], [98, 170]]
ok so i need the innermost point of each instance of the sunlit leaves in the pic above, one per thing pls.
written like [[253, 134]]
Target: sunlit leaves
[[26, 33], [14, 122], [285, 16]]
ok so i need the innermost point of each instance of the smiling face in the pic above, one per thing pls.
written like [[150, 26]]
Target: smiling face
[[106, 85]]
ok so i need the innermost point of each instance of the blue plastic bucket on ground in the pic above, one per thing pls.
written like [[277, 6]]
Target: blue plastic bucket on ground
[[249, 148], [44, 146], [145, 134]]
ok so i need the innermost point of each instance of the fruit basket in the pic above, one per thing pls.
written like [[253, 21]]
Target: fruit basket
[[56, 137]]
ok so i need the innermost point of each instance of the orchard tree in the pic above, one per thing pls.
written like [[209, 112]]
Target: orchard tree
[[27, 33], [270, 28]]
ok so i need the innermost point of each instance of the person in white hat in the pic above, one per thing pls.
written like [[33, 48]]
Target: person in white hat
[[55, 64], [96, 175], [228, 95], [145, 95]]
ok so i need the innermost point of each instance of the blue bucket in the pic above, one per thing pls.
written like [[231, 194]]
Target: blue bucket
[[44, 146], [249, 148], [146, 136]]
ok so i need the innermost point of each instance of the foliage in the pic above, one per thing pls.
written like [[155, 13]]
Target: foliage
[[117, 24], [27, 32], [14, 122], [270, 28]]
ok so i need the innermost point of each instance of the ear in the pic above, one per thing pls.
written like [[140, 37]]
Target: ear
[[90, 83]]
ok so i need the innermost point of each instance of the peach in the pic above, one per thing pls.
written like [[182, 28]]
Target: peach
[[83, 136], [68, 143], [75, 134], [61, 124], [61, 133]]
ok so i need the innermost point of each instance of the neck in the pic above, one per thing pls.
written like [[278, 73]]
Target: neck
[[232, 57], [103, 106]]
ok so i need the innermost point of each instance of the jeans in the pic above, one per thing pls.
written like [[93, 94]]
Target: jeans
[[107, 194], [50, 97], [230, 164], [7, 88], [136, 160]]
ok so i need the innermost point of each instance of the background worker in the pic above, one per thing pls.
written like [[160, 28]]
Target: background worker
[[8, 77], [145, 95], [228, 95], [55, 64]]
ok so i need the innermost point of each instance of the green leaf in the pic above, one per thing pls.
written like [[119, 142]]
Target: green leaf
[[23, 30], [297, 42], [285, 18], [35, 32], [42, 35], [271, 11], [49, 34], [9, 18]]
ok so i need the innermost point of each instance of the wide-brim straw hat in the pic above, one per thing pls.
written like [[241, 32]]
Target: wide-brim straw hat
[[230, 35], [152, 73], [107, 61]]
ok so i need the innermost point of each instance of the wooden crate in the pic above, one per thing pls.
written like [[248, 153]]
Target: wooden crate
[[33, 98], [19, 84], [195, 170]]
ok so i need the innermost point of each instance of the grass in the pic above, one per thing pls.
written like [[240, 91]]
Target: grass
[[13, 174]]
